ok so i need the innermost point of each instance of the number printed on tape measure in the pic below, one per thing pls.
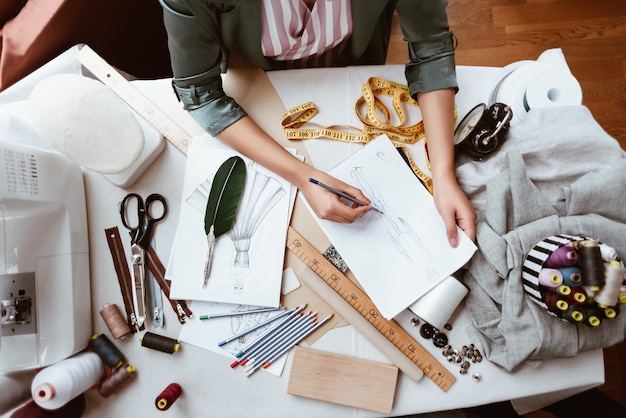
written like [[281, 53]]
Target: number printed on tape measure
[[354, 296]]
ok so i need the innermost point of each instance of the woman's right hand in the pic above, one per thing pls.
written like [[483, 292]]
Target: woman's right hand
[[327, 205]]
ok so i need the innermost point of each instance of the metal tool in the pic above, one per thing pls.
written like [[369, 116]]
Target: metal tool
[[140, 223]]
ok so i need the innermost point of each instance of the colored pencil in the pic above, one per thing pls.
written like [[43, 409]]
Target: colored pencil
[[304, 322], [254, 328], [284, 348], [235, 313]]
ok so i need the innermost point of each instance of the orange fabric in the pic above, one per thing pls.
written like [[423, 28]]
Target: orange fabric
[[130, 35]]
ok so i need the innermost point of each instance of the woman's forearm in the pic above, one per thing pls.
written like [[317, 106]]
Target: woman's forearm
[[246, 137]]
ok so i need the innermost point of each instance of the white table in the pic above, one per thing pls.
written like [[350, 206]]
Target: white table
[[210, 386]]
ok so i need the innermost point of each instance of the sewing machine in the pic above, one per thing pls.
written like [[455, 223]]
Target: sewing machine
[[45, 299]]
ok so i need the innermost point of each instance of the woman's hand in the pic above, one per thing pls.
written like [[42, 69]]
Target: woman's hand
[[328, 205], [455, 209]]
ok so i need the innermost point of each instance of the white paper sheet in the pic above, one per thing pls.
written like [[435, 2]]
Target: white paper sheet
[[248, 260], [399, 255]]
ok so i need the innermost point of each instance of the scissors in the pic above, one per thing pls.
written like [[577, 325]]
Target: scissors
[[141, 226]]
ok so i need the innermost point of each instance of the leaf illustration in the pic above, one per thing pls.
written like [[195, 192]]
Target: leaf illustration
[[225, 195]]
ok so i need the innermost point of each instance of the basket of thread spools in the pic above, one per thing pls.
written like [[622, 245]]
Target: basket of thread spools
[[578, 279]]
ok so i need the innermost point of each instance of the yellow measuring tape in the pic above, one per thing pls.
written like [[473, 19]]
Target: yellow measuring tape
[[376, 118]]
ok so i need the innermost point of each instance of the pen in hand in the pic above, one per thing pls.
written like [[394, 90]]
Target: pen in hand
[[342, 194]]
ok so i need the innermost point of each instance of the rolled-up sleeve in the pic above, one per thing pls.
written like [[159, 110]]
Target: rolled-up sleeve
[[196, 54], [431, 44]]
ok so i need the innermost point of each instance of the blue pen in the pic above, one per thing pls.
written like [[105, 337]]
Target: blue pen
[[342, 194]]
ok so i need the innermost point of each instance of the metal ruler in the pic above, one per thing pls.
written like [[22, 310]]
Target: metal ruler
[[358, 309], [137, 101]]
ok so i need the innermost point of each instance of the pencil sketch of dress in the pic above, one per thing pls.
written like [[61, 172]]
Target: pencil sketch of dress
[[260, 195], [399, 232]]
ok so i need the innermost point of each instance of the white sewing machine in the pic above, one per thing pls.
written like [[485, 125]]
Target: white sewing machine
[[45, 299]]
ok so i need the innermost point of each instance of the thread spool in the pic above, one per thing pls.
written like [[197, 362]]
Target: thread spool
[[556, 304], [15, 389], [564, 256], [609, 312], [578, 296], [437, 305], [608, 253], [73, 409], [562, 290], [118, 378], [159, 342], [591, 316], [591, 264], [622, 294], [571, 276], [107, 351], [115, 321], [613, 279], [56, 385], [574, 314], [550, 277], [169, 395]]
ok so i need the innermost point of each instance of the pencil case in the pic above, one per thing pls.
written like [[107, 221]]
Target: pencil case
[[578, 279]]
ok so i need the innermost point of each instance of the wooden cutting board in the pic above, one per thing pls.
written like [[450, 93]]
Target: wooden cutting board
[[343, 380]]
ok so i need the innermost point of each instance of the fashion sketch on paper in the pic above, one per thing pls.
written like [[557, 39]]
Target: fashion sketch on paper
[[260, 195]]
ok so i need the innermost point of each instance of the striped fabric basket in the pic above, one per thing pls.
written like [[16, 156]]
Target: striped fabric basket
[[575, 278]]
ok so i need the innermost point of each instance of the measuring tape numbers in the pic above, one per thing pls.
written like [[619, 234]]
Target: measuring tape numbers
[[361, 312], [111, 78], [377, 120]]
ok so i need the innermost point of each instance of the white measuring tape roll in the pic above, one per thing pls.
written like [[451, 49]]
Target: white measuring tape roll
[[484, 128]]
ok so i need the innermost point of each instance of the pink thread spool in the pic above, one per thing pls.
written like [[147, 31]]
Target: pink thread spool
[[550, 277]]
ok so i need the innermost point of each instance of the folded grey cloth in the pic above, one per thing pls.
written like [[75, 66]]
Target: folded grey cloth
[[558, 172]]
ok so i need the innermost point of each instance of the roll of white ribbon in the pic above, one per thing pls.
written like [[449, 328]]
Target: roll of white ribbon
[[524, 85], [538, 85], [437, 306], [555, 88]]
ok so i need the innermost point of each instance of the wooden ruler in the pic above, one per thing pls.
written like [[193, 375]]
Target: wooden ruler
[[358, 309], [137, 101]]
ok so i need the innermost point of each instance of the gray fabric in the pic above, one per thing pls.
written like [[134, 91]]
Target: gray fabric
[[557, 172]]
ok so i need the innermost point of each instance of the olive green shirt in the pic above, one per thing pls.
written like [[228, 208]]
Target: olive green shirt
[[201, 33]]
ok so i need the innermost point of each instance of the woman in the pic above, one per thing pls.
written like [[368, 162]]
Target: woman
[[275, 34]]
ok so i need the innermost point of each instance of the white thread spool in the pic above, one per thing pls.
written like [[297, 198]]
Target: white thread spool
[[438, 305], [56, 385], [15, 389], [614, 277]]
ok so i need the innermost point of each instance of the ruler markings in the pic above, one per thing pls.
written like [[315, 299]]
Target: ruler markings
[[362, 304], [111, 78]]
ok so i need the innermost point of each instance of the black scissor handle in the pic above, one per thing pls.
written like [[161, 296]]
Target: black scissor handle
[[126, 221], [155, 197]]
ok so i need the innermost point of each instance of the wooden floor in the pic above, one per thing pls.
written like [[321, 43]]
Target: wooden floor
[[592, 35]]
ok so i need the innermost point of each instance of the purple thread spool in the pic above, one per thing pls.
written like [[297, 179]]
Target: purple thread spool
[[564, 256]]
